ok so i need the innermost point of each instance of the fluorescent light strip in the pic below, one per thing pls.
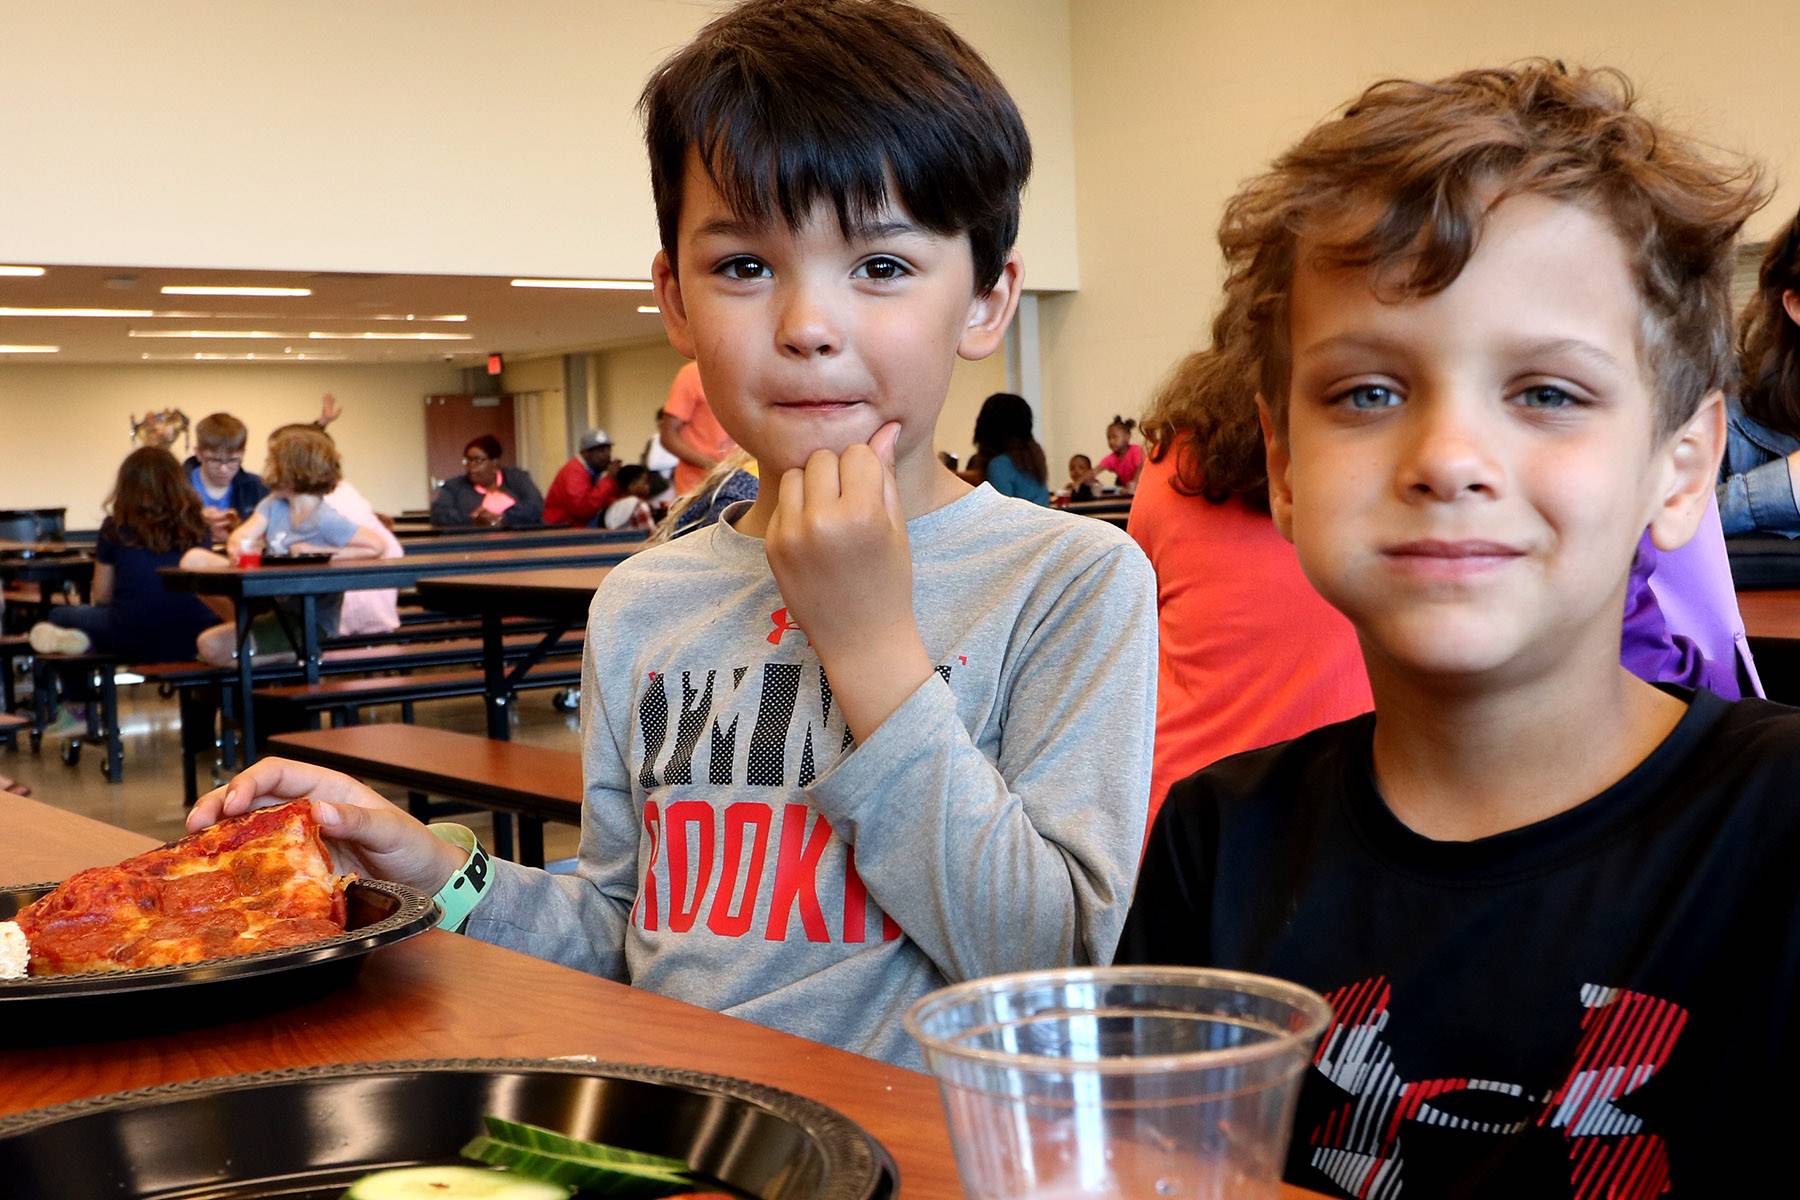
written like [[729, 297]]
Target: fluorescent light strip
[[598, 285], [370, 336], [649, 308], [76, 312], [30, 349], [31, 272], [213, 356], [203, 290], [259, 334]]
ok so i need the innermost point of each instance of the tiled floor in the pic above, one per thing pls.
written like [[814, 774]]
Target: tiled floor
[[149, 798]]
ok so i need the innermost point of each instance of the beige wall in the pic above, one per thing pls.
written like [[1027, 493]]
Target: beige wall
[[63, 430], [630, 384], [468, 137], [1176, 102], [536, 385]]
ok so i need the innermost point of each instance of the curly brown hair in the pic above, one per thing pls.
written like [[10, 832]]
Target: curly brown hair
[[1769, 340], [1429, 161], [153, 507], [304, 461]]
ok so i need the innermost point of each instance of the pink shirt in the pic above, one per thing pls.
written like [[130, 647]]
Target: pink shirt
[[1126, 466]]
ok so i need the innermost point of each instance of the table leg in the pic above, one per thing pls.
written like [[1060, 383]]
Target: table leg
[[531, 841], [309, 637], [493, 661], [246, 685]]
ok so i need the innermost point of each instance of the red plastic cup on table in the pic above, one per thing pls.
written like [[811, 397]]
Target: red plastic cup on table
[[249, 558]]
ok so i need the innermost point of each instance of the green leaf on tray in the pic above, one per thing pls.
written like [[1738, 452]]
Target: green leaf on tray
[[591, 1166]]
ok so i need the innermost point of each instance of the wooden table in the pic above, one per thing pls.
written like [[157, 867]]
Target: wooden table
[[1771, 614], [247, 585], [443, 996], [560, 596]]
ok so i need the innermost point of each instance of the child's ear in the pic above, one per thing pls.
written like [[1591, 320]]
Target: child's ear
[[1281, 491], [1790, 301], [1689, 464], [991, 312], [668, 300]]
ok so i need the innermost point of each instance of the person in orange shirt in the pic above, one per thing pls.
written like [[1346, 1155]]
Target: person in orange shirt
[[1250, 653], [690, 432]]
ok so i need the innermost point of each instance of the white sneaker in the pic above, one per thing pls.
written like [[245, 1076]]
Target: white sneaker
[[46, 638]]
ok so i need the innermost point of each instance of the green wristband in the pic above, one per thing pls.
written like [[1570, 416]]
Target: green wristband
[[465, 889]]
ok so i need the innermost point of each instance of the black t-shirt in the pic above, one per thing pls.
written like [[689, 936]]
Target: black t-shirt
[[1586, 1007]]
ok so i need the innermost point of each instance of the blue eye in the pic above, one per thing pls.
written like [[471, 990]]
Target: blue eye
[[1369, 396], [1546, 396], [881, 267], [743, 267]]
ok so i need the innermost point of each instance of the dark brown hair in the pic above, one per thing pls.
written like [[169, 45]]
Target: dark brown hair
[[303, 461], [487, 443], [1429, 161], [792, 102], [220, 431], [152, 505], [1769, 340], [1003, 426]]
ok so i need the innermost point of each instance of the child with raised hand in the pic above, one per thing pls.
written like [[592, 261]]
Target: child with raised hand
[[1553, 906], [832, 755]]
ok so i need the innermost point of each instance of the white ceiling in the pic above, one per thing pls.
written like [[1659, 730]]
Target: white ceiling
[[501, 318]]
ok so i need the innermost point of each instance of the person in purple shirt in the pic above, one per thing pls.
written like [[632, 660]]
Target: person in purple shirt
[[1682, 624]]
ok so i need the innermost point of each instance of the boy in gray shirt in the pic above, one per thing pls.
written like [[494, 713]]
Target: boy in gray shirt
[[875, 731]]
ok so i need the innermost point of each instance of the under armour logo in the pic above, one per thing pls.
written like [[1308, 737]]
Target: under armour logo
[[783, 624]]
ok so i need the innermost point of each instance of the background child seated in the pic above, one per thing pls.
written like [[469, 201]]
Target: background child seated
[[293, 519], [632, 509], [1552, 905], [1081, 469], [1124, 458], [153, 518], [227, 492]]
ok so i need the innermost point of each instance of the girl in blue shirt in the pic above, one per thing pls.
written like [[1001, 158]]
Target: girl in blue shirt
[[1007, 458]]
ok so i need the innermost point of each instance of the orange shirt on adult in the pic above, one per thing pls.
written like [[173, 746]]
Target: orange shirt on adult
[[1250, 654], [687, 403]]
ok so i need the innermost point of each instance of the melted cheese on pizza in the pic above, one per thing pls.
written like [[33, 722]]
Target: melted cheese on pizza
[[255, 882]]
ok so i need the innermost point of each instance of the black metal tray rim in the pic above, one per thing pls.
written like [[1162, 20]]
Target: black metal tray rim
[[416, 913], [836, 1132]]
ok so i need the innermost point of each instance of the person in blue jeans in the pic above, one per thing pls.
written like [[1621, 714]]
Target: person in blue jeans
[[1762, 451], [1007, 457]]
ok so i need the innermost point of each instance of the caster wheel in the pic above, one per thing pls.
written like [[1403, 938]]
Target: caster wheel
[[567, 700], [71, 752]]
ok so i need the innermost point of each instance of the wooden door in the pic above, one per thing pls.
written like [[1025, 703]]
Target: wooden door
[[451, 422]]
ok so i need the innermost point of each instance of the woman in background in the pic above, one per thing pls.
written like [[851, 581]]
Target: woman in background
[[486, 494], [1007, 457]]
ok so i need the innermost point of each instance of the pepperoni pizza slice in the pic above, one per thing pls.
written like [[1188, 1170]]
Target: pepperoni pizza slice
[[256, 882]]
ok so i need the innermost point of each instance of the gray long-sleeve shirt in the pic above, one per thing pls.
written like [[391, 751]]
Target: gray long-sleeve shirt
[[740, 851]]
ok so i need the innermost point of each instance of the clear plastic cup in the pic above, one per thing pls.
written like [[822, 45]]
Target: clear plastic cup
[[1143, 1083]]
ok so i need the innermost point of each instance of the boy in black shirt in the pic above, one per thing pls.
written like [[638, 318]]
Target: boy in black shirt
[[1552, 906]]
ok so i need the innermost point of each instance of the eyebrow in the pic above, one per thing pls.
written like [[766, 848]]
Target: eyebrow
[[1525, 348]]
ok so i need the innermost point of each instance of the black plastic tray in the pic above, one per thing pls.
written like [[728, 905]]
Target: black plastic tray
[[308, 1134], [102, 1005]]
